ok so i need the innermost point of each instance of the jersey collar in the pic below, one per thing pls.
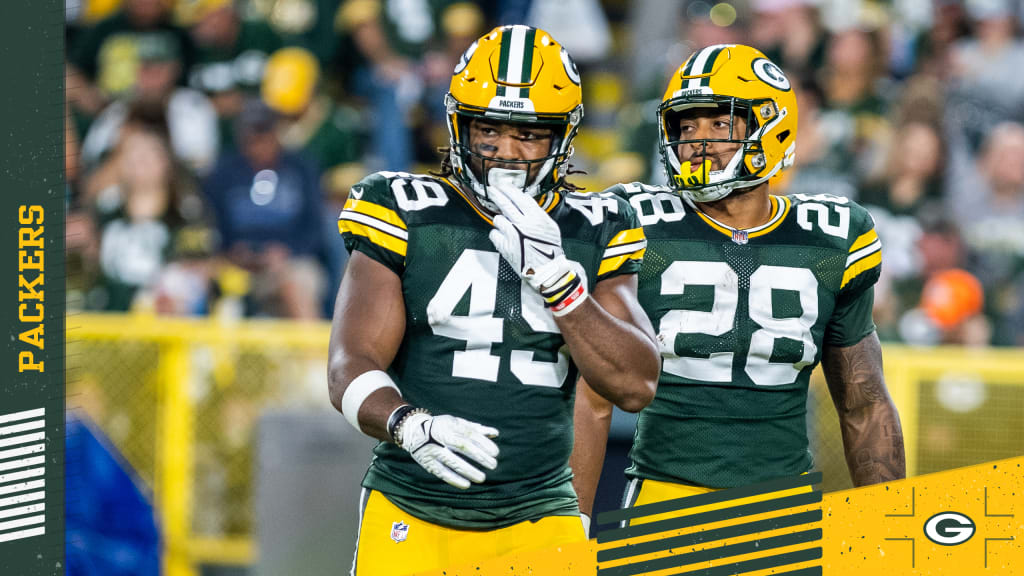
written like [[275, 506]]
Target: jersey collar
[[780, 209]]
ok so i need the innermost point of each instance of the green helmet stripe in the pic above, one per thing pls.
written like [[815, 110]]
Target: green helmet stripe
[[506, 46], [709, 65], [527, 61]]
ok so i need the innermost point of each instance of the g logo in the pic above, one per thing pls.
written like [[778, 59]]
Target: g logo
[[949, 528], [570, 67], [770, 74], [464, 61]]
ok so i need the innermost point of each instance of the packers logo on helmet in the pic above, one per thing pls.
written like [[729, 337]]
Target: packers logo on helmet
[[742, 82], [514, 74]]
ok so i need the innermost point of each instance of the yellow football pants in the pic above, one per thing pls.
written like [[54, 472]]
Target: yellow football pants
[[394, 543]]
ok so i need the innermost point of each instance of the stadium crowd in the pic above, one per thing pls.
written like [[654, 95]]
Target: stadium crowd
[[212, 143]]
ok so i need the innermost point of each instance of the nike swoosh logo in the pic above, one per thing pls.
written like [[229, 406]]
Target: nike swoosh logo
[[356, 193], [550, 254]]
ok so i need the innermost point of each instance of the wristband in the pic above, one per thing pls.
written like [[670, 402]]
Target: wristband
[[397, 415], [359, 389], [567, 293], [401, 422]]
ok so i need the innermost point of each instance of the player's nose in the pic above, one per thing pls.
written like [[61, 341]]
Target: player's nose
[[509, 148]]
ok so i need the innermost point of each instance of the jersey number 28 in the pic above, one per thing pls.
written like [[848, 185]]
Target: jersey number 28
[[722, 319]]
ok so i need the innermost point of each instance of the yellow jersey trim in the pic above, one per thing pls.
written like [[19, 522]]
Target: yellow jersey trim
[[860, 266], [375, 211], [780, 209], [615, 262], [864, 239], [378, 237], [627, 236]]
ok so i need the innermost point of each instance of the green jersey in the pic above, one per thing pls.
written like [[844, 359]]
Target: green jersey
[[479, 343], [742, 318]]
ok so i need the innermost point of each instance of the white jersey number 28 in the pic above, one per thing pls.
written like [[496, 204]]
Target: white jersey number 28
[[722, 318]]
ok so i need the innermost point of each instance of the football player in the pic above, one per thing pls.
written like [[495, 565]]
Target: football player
[[748, 292], [471, 302]]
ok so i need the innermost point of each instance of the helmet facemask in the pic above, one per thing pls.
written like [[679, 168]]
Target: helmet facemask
[[473, 170], [746, 168]]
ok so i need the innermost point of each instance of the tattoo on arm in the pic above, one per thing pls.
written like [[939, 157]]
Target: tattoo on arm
[[872, 436]]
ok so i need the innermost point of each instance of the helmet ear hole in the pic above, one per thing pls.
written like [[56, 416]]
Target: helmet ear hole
[[783, 136]]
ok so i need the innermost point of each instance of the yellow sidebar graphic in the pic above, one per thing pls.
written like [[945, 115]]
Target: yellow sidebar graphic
[[961, 522]]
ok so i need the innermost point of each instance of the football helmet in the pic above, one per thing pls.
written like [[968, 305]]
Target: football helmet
[[514, 74], [744, 83]]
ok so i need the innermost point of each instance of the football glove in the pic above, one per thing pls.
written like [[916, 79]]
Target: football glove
[[531, 242], [435, 443]]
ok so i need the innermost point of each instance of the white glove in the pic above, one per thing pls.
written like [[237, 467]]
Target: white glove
[[434, 440], [523, 233], [586, 524], [531, 242]]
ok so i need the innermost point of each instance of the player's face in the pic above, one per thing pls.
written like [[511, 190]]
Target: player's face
[[704, 124], [506, 141]]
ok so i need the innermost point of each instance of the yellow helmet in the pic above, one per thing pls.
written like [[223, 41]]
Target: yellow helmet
[[289, 80], [515, 74], [739, 80]]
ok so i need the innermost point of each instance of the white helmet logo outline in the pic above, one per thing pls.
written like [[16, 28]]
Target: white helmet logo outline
[[570, 67], [771, 74], [949, 528], [466, 56]]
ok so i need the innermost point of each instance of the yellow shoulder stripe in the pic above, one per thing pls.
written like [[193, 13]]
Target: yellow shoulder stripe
[[864, 239], [376, 211], [382, 239], [615, 262], [861, 265], [627, 237]]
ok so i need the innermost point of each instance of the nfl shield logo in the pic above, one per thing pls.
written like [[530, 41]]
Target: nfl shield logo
[[739, 236], [399, 531]]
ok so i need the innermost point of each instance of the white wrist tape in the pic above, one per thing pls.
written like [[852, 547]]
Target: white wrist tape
[[360, 389]]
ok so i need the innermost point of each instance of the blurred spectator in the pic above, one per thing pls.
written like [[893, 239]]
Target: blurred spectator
[[985, 86], [713, 23], [911, 187], [108, 56], [933, 47], [231, 55], [949, 312], [856, 114], [267, 202], [149, 216], [310, 122], [790, 33], [462, 23], [390, 44], [986, 196], [190, 118], [824, 147], [912, 176], [580, 25], [332, 135]]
